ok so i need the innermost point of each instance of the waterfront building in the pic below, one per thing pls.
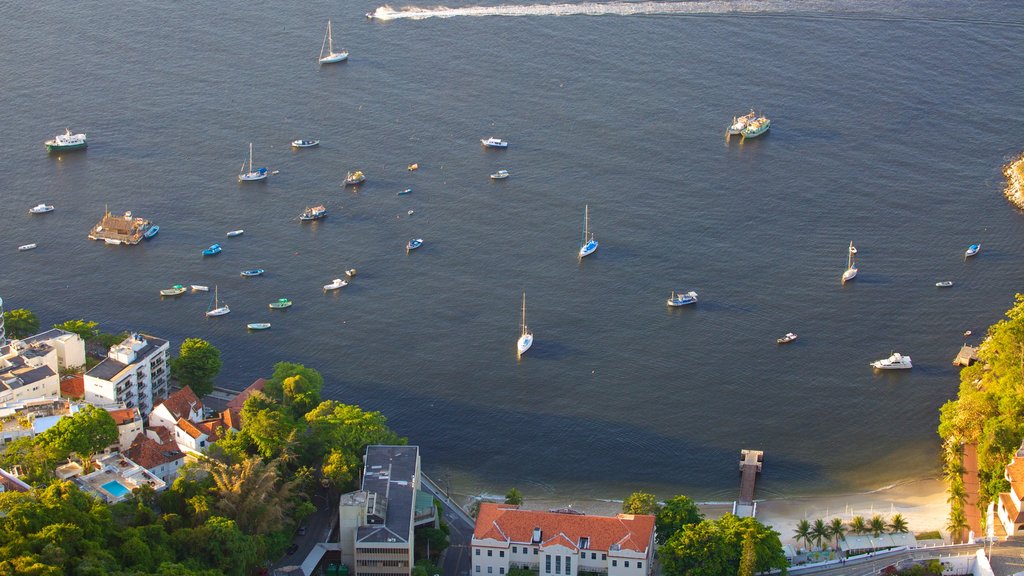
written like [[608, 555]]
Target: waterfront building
[[1010, 511], [377, 521], [29, 367], [133, 375], [180, 404], [120, 229], [560, 543]]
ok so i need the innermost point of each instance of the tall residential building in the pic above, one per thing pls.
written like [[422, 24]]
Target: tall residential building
[[29, 367], [134, 373]]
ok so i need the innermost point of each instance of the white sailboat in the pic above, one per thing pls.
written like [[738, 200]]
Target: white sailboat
[[525, 336], [217, 309], [851, 268], [330, 56], [251, 175], [588, 245]]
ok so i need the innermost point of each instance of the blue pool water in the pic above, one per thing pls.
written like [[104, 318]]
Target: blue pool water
[[116, 488]]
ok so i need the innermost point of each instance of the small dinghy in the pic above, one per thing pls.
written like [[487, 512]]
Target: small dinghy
[[200, 288], [943, 284], [305, 143], [152, 231], [335, 284], [406, 191], [26, 247], [413, 167], [253, 272], [176, 290], [258, 326], [414, 244], [351, 272], [281, 303], [234, 233], [972, 250], [41, 209], [789, 337]]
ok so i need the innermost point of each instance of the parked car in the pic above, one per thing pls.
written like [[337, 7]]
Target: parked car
[[291, 549], [302, 530]]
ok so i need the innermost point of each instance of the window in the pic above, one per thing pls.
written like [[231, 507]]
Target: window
[[615, 562], [593, 555], [535, 551], [558, 564], [490, 552], [478, 569], [501, 570], [490, 569], [626, 563], [639, 564], [501, 553], [547, 564], [515, 550], [568, 564], [604, 556], [477, 551]]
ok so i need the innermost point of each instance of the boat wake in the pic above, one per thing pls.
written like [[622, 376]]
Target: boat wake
[[585, 9]]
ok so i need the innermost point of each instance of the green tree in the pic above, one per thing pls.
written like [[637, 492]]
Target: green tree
[[90, 430], [803, 533], [514, 496], [313, 382], [858, 525], [197, 364], [86, 329], [268, 428], [20, 323], [251, 494], [640, 503], [714, 547], [340, 468], [346, 428], [876, 525], [837, 530], [37, 460], [748, 557], [677, 513], [819, 532], [898, 524]]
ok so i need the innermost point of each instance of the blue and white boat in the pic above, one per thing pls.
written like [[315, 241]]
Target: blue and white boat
[[151, 232], [972, 250], [253, 272], [525, 336], [682, 298], [314, 213], [414, 244], [588, 245], [494, 143], [213, 249], [305, 143], [406, 191]]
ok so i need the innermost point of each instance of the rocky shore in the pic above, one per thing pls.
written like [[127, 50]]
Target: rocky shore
[[1014, 172]]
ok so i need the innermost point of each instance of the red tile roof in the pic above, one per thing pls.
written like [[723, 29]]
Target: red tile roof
[[237, 402], [509, 523], [232, 419], [180, 402], [211, 428], [1015, 474], [123, 415], [73, 386], [149, 454], [189, 428], [165, 435]]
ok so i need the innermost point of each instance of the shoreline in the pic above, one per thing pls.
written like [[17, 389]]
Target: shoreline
[[1014, 173]]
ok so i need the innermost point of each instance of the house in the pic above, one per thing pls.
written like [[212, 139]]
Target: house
[[235, 405], [115, 478], [29, 418], [560, 544], [10, 482], [157, 453], [180, 404], [377, 521], [134, 374], [1010, 512], [29, 367], [129, 425]]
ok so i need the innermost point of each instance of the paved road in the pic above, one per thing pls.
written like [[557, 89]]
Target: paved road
[[1007, 558], [870, 566], [456, 557], [318, 529]]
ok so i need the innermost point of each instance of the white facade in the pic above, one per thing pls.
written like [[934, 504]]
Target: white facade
[[134, 374], [29, 368]]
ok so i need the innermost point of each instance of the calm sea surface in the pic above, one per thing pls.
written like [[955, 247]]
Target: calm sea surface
[[890, 124]]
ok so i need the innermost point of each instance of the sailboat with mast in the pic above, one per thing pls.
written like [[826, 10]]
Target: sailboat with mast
[[525, 336], [216, 308], [330, 56], [251, 175], [588, 245], [851, 267]]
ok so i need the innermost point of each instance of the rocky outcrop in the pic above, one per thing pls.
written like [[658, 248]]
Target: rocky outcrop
[[1014, 172]]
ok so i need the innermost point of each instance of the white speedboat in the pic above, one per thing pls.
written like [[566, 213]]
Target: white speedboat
[[851, 268], [789, 337], [895, 362], [41, 209], [305, 143], [25, 247], [335, 284], [251, 175], [499, 175], [494, 143], [589, 245], [217, 308], [234, 233], [682, 298], [944, 284], [525, 336], [327, 53]]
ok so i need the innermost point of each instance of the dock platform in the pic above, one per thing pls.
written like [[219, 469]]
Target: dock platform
[[968, 355], [750, 466]]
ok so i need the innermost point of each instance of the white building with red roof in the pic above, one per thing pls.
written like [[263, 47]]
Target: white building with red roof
[[182, 403], [129, 425], [158, 453], [560, 544], [1010, 510]]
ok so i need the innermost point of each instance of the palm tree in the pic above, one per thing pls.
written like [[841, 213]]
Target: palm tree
[[957, 523], [898, 524], [803, 532], [837, 530], [877, 525], [858, 525], [251, 494], [819, 531]]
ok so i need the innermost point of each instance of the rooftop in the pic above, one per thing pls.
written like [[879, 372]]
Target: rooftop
[[507, 523], [389, 479], [116, 478], [23, 376], [149, 453], [181, 402], [73, 386], [107, 369]]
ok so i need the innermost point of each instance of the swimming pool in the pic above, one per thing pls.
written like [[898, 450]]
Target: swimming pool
[[116, 488]]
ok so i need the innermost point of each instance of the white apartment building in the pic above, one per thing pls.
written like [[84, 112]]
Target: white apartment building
[[134, 374], [29, 367], [559, 543]]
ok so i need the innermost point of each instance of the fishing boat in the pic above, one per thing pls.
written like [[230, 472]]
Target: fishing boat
[[253, 272], [351, 272], [27, 247], [354, 178], [41, 209], [789, 337], [494, 143], [281, 303], [200, 288], [739, 123], [972, 250], [944, 284], [314, 213], [251, 175], [681, 298], [216, 307], [414, 244], [851, 268], [755, 128], [895, 362], [213, 249], [305, 143], [151, 231], [588, 245], [404, 192], [258, 325], [499, 175], [525, 336], [413, 167], [335, 284], [234, 233], [176, 290], [327, 53], [66, 141]]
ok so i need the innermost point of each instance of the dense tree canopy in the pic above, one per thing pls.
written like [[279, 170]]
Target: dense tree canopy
[[197, 364], [304, 391], [86, 329], [675, 515], [714, 547], [20, 323], [87, 432], [640, 503]]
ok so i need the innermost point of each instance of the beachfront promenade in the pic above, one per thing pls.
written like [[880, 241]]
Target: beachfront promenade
[[872, 564]]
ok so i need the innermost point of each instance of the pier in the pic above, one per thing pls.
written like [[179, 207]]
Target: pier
[[120, 229], [750, 467], [968, 355]]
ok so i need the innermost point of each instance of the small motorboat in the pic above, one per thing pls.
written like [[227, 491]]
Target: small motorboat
[[354, 178], [200, 288], [305, 143], [258, 325], [335, 284], [682, 298], [351, 272], [234, 233], [895, 362], [943, 284], [253, 272], [499, 175], [176, 290], [494, 143], [27, 247], [152, 231], [213, 249], [414, 244], [972, 250], [413, 167], [406, 191], [281, 303], [41, 209], [314, 213], [789, 337]]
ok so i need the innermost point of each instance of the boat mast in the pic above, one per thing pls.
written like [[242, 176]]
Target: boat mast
[[326, 36], [586, 223], [250, 157], [523, 328]]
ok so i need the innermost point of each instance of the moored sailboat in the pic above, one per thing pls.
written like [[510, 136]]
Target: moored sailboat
[[525, 336], [251, 175], [851, 268], [217, 309], [330, 56], [588, 244]]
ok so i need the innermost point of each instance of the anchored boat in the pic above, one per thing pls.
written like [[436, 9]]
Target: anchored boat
[[494, 143], [895, 362], [682, 298], [281, 303], [66, 141], [176, 290]]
